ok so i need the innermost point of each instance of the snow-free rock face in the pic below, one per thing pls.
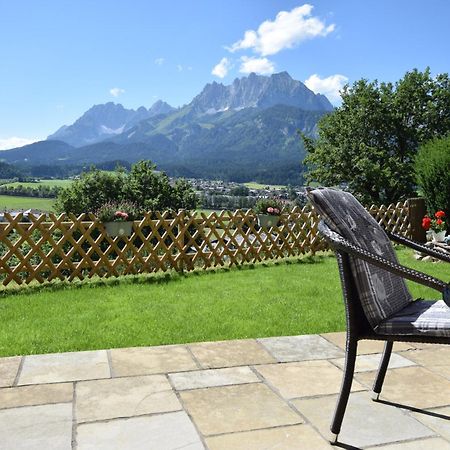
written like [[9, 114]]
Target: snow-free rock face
[[103, 121], [257, 91]]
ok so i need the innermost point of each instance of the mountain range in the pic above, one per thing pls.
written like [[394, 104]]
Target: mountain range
[[241, 132]]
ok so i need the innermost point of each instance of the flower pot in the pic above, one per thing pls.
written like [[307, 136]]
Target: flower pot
[[267, 220], [438, 236], [118, 228]]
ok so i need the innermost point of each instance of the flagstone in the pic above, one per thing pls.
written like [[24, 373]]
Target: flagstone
[[294, 437], [37, 427], [411, 386], [212, 377], [124, 397], [172, 431], [38, 394], [230, 353], [237, 408], [8, 370], [301, 348], [63, 367], [151, 360], [366, 423], [306, 378]]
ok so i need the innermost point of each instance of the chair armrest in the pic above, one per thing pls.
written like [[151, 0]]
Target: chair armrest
[[419, 247], [341, 244]]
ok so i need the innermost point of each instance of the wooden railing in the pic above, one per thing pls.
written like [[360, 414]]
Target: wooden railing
[[67, 247]]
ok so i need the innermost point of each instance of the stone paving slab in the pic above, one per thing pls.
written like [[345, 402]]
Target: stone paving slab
[[151, 360], [173, 431], [230, 353], [301, 348], [295, 437], [237, 408], [438, 419], [422, 444], [248, 394], [412, 386], [435, 359], [304, 379], [368, 363], [367, 346], [366, 423], [212, 378], [39, 394], [36, 427], [124, 397], [8, 370], [62, 367]]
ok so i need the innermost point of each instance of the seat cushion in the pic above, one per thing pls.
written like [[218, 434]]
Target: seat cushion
[[418, 318], [381, 293]]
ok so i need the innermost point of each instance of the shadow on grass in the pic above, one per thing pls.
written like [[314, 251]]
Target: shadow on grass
[[156, 278]]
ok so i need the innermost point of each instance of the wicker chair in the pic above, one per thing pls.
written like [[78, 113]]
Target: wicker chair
[[378, 304]]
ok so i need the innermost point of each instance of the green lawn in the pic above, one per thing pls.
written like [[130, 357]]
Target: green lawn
[[50, 183], [13, 202], [288, 298], [254, 185]]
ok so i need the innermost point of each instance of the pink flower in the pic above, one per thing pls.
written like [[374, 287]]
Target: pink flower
[[121, 215], [270, 210]]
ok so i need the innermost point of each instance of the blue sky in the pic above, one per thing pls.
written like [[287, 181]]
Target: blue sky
[[58, 58]]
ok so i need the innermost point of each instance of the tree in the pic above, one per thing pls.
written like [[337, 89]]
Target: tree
[[369, 143], [93, 189], [432, 167], [147, 188]]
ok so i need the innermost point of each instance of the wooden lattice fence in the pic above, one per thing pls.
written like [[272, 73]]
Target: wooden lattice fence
[[67, 247]]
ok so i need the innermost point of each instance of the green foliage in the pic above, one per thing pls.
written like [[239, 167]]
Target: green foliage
[[240, 191], [432, 168], [268, 206], [118, 212], [143, 186], [92, 190], [369, 143]]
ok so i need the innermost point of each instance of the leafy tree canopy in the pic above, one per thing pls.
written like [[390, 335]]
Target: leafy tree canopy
[[433, 174], [147, 188], [369, 143]]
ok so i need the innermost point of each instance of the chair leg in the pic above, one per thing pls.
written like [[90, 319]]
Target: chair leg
[[350, 359], [378, 384]]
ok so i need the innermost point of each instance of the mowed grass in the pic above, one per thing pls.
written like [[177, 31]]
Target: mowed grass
[[13, 202], [287, 298], [254, 185], [50, 183]]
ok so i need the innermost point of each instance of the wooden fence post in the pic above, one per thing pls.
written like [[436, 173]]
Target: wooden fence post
[[416, 211]]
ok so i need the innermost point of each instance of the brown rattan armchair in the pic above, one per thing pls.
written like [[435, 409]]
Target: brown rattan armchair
[[378, 305]]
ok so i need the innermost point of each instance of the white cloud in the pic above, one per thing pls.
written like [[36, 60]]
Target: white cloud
[[261, 66], [115, 92], [329, 86], [221, 69], [179, 68], [287, 30], [13, 142], [159, 61]]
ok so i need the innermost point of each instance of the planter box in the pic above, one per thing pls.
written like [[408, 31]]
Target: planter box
[[267, 220], [438, 236], [118, 228]]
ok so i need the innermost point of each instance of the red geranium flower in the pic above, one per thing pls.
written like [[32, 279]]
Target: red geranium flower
[[439, 214], [426, 223], [439, 222]]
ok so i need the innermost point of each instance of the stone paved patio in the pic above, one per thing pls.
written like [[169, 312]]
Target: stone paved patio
[[272, 393]]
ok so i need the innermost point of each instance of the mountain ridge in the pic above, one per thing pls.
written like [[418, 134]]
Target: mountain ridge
[[238, 132]]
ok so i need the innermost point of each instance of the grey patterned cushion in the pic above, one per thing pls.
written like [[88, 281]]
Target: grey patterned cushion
[[381, 293], [420, 317]]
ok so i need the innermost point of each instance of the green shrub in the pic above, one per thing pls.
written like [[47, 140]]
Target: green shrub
[[432, 167]]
